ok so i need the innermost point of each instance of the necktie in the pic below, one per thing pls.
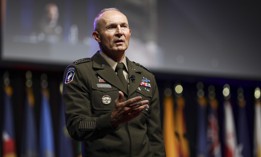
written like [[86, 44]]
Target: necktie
[[119, 69]]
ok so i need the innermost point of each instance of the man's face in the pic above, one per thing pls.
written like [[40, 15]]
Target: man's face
[[113, 33], [53, 13]]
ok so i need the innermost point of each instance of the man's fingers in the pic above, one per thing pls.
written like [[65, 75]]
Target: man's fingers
[[130, 102], [133, 100], [121, 97], [140, 103]]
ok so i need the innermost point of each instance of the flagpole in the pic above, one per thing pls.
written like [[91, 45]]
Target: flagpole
[[257, 127]]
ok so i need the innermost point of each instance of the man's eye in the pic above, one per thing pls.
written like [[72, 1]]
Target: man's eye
[[124, 26], [111, 27]]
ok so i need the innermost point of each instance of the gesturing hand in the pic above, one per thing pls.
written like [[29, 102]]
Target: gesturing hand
[[126, 110]]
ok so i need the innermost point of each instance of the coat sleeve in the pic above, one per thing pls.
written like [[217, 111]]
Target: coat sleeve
[[154, 125], [80, 123]]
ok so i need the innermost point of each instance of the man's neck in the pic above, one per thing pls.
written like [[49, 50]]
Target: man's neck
[[112, 62], [116, 56]]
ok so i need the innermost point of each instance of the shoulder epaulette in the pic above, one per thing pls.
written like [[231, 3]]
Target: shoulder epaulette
[[82, 60], [141, 66]]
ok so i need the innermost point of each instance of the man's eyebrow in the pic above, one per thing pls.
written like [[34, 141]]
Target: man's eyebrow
[[115, 23]]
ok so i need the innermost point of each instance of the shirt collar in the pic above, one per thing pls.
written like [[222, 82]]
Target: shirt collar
[[112, 63]]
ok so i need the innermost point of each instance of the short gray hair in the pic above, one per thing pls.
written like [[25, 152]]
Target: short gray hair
[[99, 15]]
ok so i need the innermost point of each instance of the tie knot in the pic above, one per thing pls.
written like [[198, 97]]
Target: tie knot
[[120, 66]]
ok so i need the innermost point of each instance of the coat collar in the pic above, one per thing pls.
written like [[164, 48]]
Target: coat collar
[[104, 70]]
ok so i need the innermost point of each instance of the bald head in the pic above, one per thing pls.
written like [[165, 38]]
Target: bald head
[[99, 17]]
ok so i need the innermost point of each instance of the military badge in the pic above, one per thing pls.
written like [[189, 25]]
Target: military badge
[[145, 82], [144, 79], [103, 85], [100, 80], [106, 99], [69, 75]]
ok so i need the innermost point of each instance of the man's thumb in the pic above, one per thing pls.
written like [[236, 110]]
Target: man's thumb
[[121, 96]]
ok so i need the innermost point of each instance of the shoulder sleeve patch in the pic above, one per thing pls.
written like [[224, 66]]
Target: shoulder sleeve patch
[[83, 60], [69, 75]]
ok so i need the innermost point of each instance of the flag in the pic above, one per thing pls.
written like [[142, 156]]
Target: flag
[[29, 146], [9, 149], [79, 149], [65, 142], [181, 128], [257, 135], [168, 127], [243, 133], [214, 147], [230, 132], [46, 130], [202, 135]]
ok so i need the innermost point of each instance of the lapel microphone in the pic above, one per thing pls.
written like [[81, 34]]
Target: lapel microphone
[[132, 78]]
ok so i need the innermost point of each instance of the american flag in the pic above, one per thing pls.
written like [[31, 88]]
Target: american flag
[[214, 149]]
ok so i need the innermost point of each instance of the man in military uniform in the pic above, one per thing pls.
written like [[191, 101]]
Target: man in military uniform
[[111, 103]]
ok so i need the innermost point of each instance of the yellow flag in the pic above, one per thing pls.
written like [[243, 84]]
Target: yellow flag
[[181, 128], [168, 126]]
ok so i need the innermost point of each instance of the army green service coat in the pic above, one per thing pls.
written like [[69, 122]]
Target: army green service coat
[[89, 93]]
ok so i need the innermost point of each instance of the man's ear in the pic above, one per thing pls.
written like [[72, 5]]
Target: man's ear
[[96, 36]]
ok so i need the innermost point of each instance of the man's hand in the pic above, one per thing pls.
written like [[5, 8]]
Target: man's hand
[[126, 110]]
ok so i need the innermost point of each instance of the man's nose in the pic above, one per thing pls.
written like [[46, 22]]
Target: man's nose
[[119, 29]]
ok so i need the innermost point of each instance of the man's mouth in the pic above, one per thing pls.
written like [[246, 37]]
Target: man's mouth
[[119, 41]]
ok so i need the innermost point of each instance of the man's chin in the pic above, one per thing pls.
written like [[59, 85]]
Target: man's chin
[[121, 48]]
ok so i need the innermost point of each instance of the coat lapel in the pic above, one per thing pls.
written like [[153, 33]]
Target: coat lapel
[[134, 72], [104, 70]]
